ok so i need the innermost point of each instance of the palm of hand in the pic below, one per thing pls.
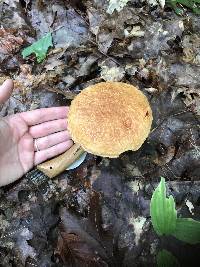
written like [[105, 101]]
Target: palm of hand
[[17, 151], [17, 147]]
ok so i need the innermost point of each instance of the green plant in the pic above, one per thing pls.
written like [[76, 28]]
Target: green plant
[[191, 4], [165, 221], [166, 259], [176, 5], [163, 212], [39, 48]]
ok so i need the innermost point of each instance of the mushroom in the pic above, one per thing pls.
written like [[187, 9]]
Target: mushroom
[[105, 119]]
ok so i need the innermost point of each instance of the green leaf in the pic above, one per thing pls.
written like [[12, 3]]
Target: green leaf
[[187, 230], [162, 210], [166, 259], [192, 4], [39, 48]]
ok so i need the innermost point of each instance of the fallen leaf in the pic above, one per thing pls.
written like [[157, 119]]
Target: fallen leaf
[[85, 65], [138, 224], [74, 252], [116, 5], [25, 249], [11, 3], [95, 20], [135, 32], [190, 206], [167, 157], [53, 63], [39, 48], [152, 2], [191, 48], [191, 98], [156, 2], [162, 3], [9, 43], [112, 74], [73, 29], [104, 41], [151, 90], [76, 246]]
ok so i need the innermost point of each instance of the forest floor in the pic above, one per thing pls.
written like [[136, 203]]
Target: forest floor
[[98, 214]]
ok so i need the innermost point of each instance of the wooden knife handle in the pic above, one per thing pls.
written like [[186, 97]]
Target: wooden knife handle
[[57, 165]]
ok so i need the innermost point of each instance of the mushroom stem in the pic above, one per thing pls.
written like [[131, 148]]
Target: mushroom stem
[[57, 165]]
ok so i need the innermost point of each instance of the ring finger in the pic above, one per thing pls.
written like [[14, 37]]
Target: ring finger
[[51, 140]]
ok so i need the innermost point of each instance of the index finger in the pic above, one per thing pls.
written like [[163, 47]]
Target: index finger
[[38, 116]]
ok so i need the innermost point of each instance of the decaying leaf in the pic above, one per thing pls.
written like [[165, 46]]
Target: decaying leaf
[[76, 245], [75, 252], [11, 3], [26, 80], [135, 32], [105, 40], [73, 32], [85, 65], [3, 225], [114, 74], [190, 206], [25, 249], [191, 98], [162, 3], [191, 48], [138, 224], [95, 20], [167, 157], [156, 2], [116, 5], [52, 64], [9, 43]]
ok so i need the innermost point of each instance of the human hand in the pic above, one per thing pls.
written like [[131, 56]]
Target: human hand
[[19, 151]]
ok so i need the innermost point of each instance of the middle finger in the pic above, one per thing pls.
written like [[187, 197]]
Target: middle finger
[[47, 128]]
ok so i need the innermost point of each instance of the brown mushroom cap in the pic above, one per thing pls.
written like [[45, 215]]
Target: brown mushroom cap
[[109, 118]]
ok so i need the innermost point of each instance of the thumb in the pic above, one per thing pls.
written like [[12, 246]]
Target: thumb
[[6, 90]]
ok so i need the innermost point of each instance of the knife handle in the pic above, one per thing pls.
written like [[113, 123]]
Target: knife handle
[[59, 164]]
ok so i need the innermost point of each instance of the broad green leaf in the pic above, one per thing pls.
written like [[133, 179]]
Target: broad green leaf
[[39, 48], [162, 210], [187, 230], [166, 259]]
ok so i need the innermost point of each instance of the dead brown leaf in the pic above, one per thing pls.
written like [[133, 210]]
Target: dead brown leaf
[[77, 245], [166, 158], [9, 43], [75, 252]]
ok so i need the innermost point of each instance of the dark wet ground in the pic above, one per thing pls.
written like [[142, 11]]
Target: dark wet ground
[[98, 214]]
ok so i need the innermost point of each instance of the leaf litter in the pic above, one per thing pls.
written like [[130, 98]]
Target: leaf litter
[[98, 215]]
